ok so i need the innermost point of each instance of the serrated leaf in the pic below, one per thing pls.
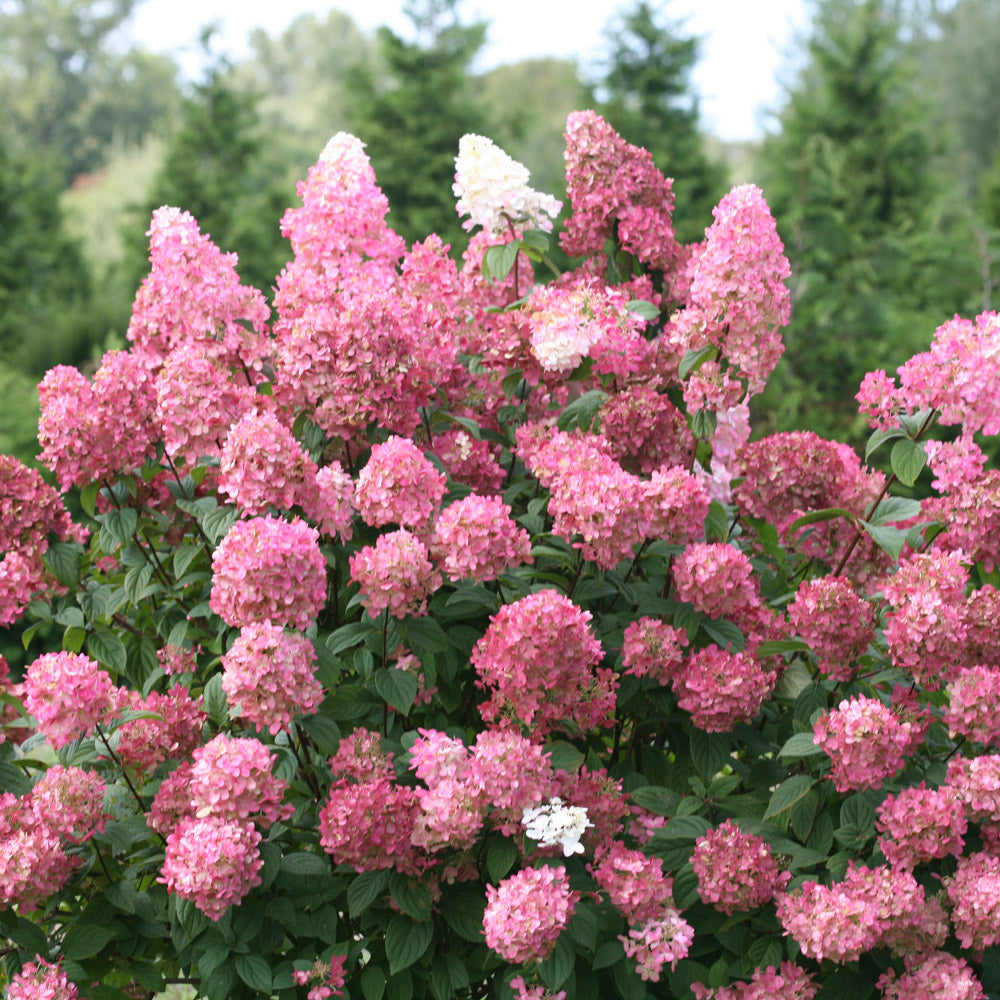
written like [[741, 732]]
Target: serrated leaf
[[703, 424], [364, 890], [709, 751], [373, 983], [117, 527], [558, 967], [305, 863], [887, 538], [894, 509], [405, 941], [693, 360], [62, 560], [424, 633], [644, 309], [659, 800], [564, 756], [348, 636], [218, 522], [498, 261], [214, 699], [776, 647], [108, 650], [397, 687], [788, 793], [907, 460], [879, 438], [580, 413], [501, 854], [724, 634], [85, 941], [858, 811], [607, 954], [800, 745], [254, 971], [412, 897], [716, 523], [826, 514], [325, 732]]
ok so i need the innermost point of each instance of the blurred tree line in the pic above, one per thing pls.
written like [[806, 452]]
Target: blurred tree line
[[882, 165]]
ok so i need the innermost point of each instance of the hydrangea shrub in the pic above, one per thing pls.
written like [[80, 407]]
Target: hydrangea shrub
[[444, 633]]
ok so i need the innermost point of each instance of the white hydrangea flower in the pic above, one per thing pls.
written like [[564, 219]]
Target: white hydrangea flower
[[563, 330], [556, 823], [490, 186]]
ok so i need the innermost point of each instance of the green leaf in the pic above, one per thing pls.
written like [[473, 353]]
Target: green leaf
[[423, 633], [498, 261], [220, 983], [216, 524], [580, 413], [724, 634], [214, 699], [703, 424], [108, 650], [693, 360], [800, 745], [364, 890], [907, 459], [716, 523], [83, 942], [683, 828], [558, 967], [373, 983], [448, 974], [411, 896], [826, 514], [28, 936], [858, 811], [183, 558], [324, 732], [802, 815], [406, 941], [348, 636], [501, 854], [887, 538], [777, 646], [788, 793], [644, 309], [305, 863], [564, 756], [117, 527], [607, 954], [255, 972], [894, 509], [62, 560], [397, 687], [662, 801], [88, 497], [709, 751], [879, 438]]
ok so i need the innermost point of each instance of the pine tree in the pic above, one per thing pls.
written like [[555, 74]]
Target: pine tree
[[412, 119], [647, 97], [877, 248]]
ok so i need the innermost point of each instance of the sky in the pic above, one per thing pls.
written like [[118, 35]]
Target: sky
[[746, 47]]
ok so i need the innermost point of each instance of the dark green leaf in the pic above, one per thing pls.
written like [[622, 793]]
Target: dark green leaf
[[724, 634], [364, 890], [894, 509], [557, 968], [879, 438], [703, 424], [117, 527], [716, 523], [406, 941], [214, 699], [858, 811], [580, 413], [373, 983], [348, 636], [693, 360], [800, 745], [662, 801], [305, 863], [62, 560], [777, 646], [411, 896], [709, 751], [907, 459], [397, 687], [500, 857], [788, 793], [564, 756], [826, 514], [255, 972], [889, 539], [108, 649], [85, 941], [607, 954], [425, 634], [215, 525], [325, 732]]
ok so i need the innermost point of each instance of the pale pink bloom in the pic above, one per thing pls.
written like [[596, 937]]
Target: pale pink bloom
[[921, 823], [662, 939], [527, 912], [974, 891], [213, 862], [787, 982], [537, 659], [470, 461], [645, 431], [736, 871], [865, 741], [177, 659], [476, 538], [977, 782], [395, 574], [677, 503], [69, 694], [69, 801], [145, 743], [716, 578], [398, 485], [326, 978], [971, 711], [360, 756], [329, 502], [635, 883], [653, 648], [266, 569], [932, 976], [268, 676], [525, 992], [41, 980]]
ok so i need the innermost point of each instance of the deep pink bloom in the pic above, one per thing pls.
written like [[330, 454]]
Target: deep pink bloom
[[69, 694], [787, 982], [41, 980], [476, 538], [720, 689]]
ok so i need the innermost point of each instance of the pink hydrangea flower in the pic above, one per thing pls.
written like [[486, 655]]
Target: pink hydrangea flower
[[677, 504], [527, 912], [664, 939], [865, 741], [369, 825], [395, 574], [267, 675], [720, 689], [837, 624], [267, 569], [145, 743], [263, 467], [921, 823], [330, 502], [177, 659], [933, 976], [537, 659], [716, 578], [787, 982], [326, 978], [69, 694], [231, 778], [653, 649], [525, 992], [41, 980], [736, 871], [213, 862], [971, 711], [635, 883], [974, 891], [645, 431], [69, 801], [977, 782], [398, 485], [476, 538]]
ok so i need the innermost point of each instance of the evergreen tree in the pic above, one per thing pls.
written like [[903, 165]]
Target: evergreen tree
[[412, 119], [878, 249], [219, 168], [45, 285], [647, 97]]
